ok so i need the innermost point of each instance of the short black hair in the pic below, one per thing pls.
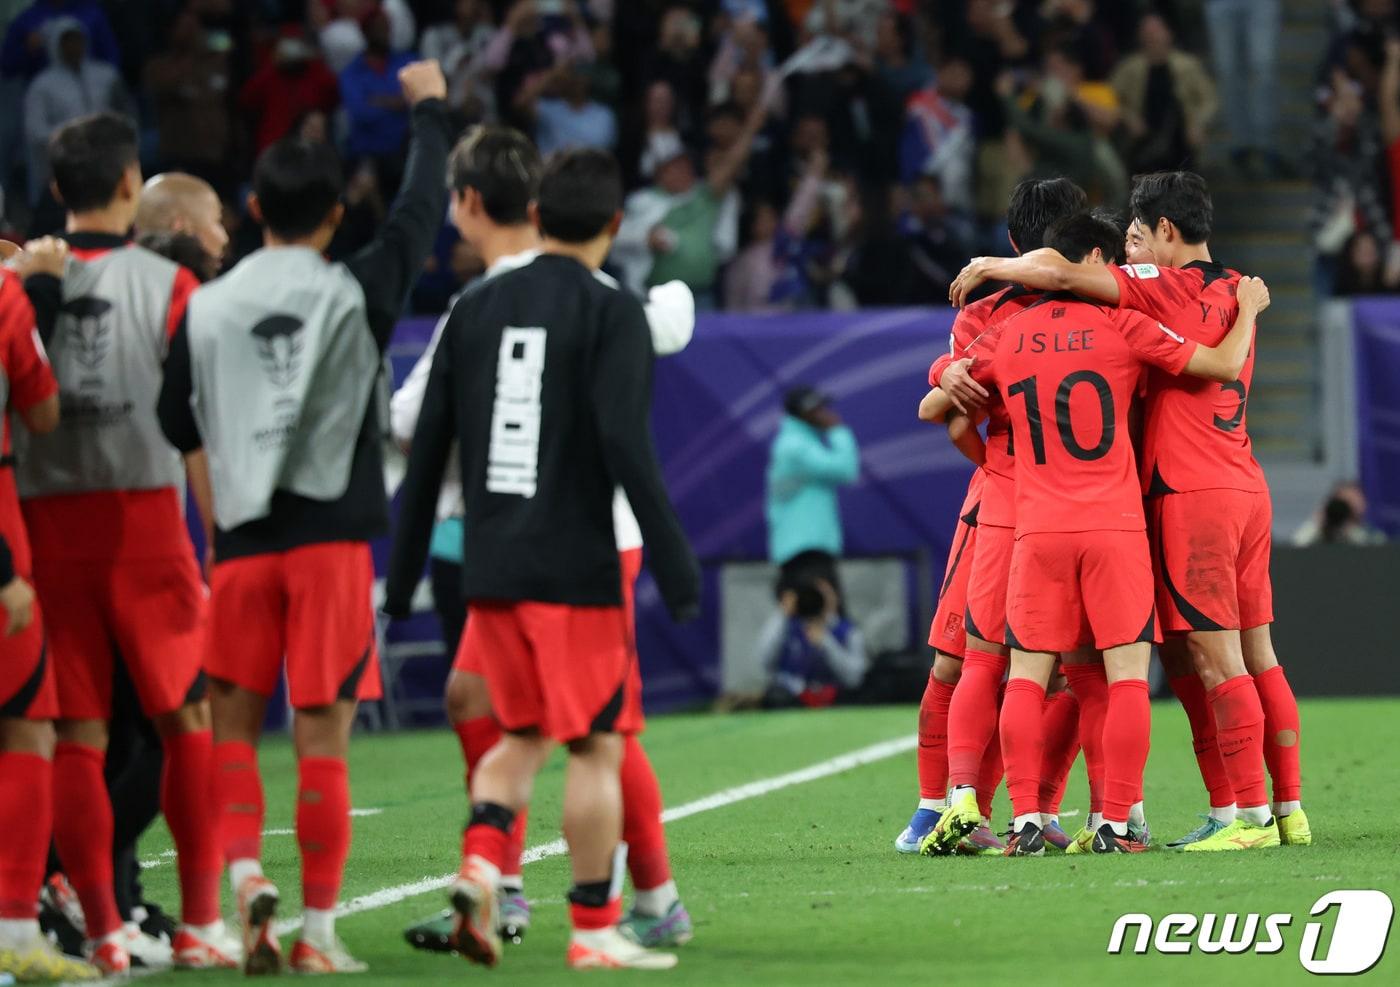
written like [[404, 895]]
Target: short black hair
[[297, 184], [1181, 197], [580, 193], [504, 167], [88, 157], [1076, 237], [1036, 204], [1119, 255]]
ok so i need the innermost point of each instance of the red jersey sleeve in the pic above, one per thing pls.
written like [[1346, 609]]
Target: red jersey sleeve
[[970, 323], [1156, 291], [1152, 342], [185, 284], [26, 365]]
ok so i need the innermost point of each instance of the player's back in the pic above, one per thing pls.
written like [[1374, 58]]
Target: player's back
[[1066, 369], [1194, 435], [530, 347]]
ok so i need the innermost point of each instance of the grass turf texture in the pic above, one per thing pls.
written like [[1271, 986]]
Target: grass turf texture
[[803, 886]]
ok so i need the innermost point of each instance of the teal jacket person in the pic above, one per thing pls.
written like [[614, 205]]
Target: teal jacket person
[[813, 454]]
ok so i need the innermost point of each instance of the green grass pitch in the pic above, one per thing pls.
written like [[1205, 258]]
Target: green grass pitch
[[802, 885]]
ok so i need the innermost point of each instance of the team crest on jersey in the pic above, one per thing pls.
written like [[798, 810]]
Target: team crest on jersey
[[279, 347], [88, 329]]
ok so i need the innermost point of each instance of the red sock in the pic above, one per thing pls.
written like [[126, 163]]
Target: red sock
[[1060, 716], [642, 831], [238, 799], [489, 842], [192, 817], [1281, 734], [1127, 734], [323, 828], [1023, 743], [477, 736], [82, 831], [993, 768], [588, 918], [1089, 683], [972, 716], [1239, 725], [933, 739], [1192, 696], [26, 819]]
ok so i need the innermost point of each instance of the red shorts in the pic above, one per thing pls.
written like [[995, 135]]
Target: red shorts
[[150, 612], [1071, 589], [312, 607], [947, 633], [27, 689], [1211, 556], [986, 586], [564, 670]]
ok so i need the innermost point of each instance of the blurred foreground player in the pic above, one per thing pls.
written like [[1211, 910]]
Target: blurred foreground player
[[957, 716], [1210, 516], [1081, 571], [542, 382], [272, 374], [102, 499], [494, 174], [28, 701]]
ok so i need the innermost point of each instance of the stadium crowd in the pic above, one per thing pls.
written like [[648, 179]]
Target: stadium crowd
[[779, 153]]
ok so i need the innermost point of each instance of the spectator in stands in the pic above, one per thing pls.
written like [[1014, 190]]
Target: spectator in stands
[[1244, 47], [1167, 98], [188, 85], [813, 653], [459, 45], [770, 273], [813, 455], [1345, 158], [685, 227], [528, 45], [938, 136], [1361, 268], [374, 104], [26, 50], [1081, 27], [290, 84], [659, 133], [1341, 520], [679, 61], [341, 26], [940, 241], [872, 264], [897, 62], [73, 86], [570, 118]]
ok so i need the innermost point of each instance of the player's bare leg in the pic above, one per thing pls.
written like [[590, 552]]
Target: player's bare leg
[[1282, 733], [932, 754], [1127, 729], [1023, 746], [502, 783], [1186, 685], [972, 726], [26, 819], [238, 716]]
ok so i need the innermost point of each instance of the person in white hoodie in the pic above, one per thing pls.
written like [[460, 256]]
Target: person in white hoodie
[[494, 172]]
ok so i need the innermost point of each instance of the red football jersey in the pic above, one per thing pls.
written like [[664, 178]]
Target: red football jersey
[[998, 489], [27, 380], [1194, 435], [1067, 370]]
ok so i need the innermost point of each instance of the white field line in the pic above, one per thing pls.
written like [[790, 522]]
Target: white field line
[[170, 854], [718, 800]]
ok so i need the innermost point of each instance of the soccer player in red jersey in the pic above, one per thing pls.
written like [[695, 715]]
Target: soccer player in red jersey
[[103, 505], [973, 661], [28, 700], [1211, 514], [1081, 572]]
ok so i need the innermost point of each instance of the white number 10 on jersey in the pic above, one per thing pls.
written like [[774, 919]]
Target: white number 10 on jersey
[[513, 464]]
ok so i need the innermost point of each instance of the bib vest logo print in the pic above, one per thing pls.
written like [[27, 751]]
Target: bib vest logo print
[[279, 346], [89, 329]]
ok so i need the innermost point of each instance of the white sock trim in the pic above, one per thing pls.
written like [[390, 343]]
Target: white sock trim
[[656, 902], [318, 927], [933, 804], [1223, 813], [242, 869], [1287, 808]]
